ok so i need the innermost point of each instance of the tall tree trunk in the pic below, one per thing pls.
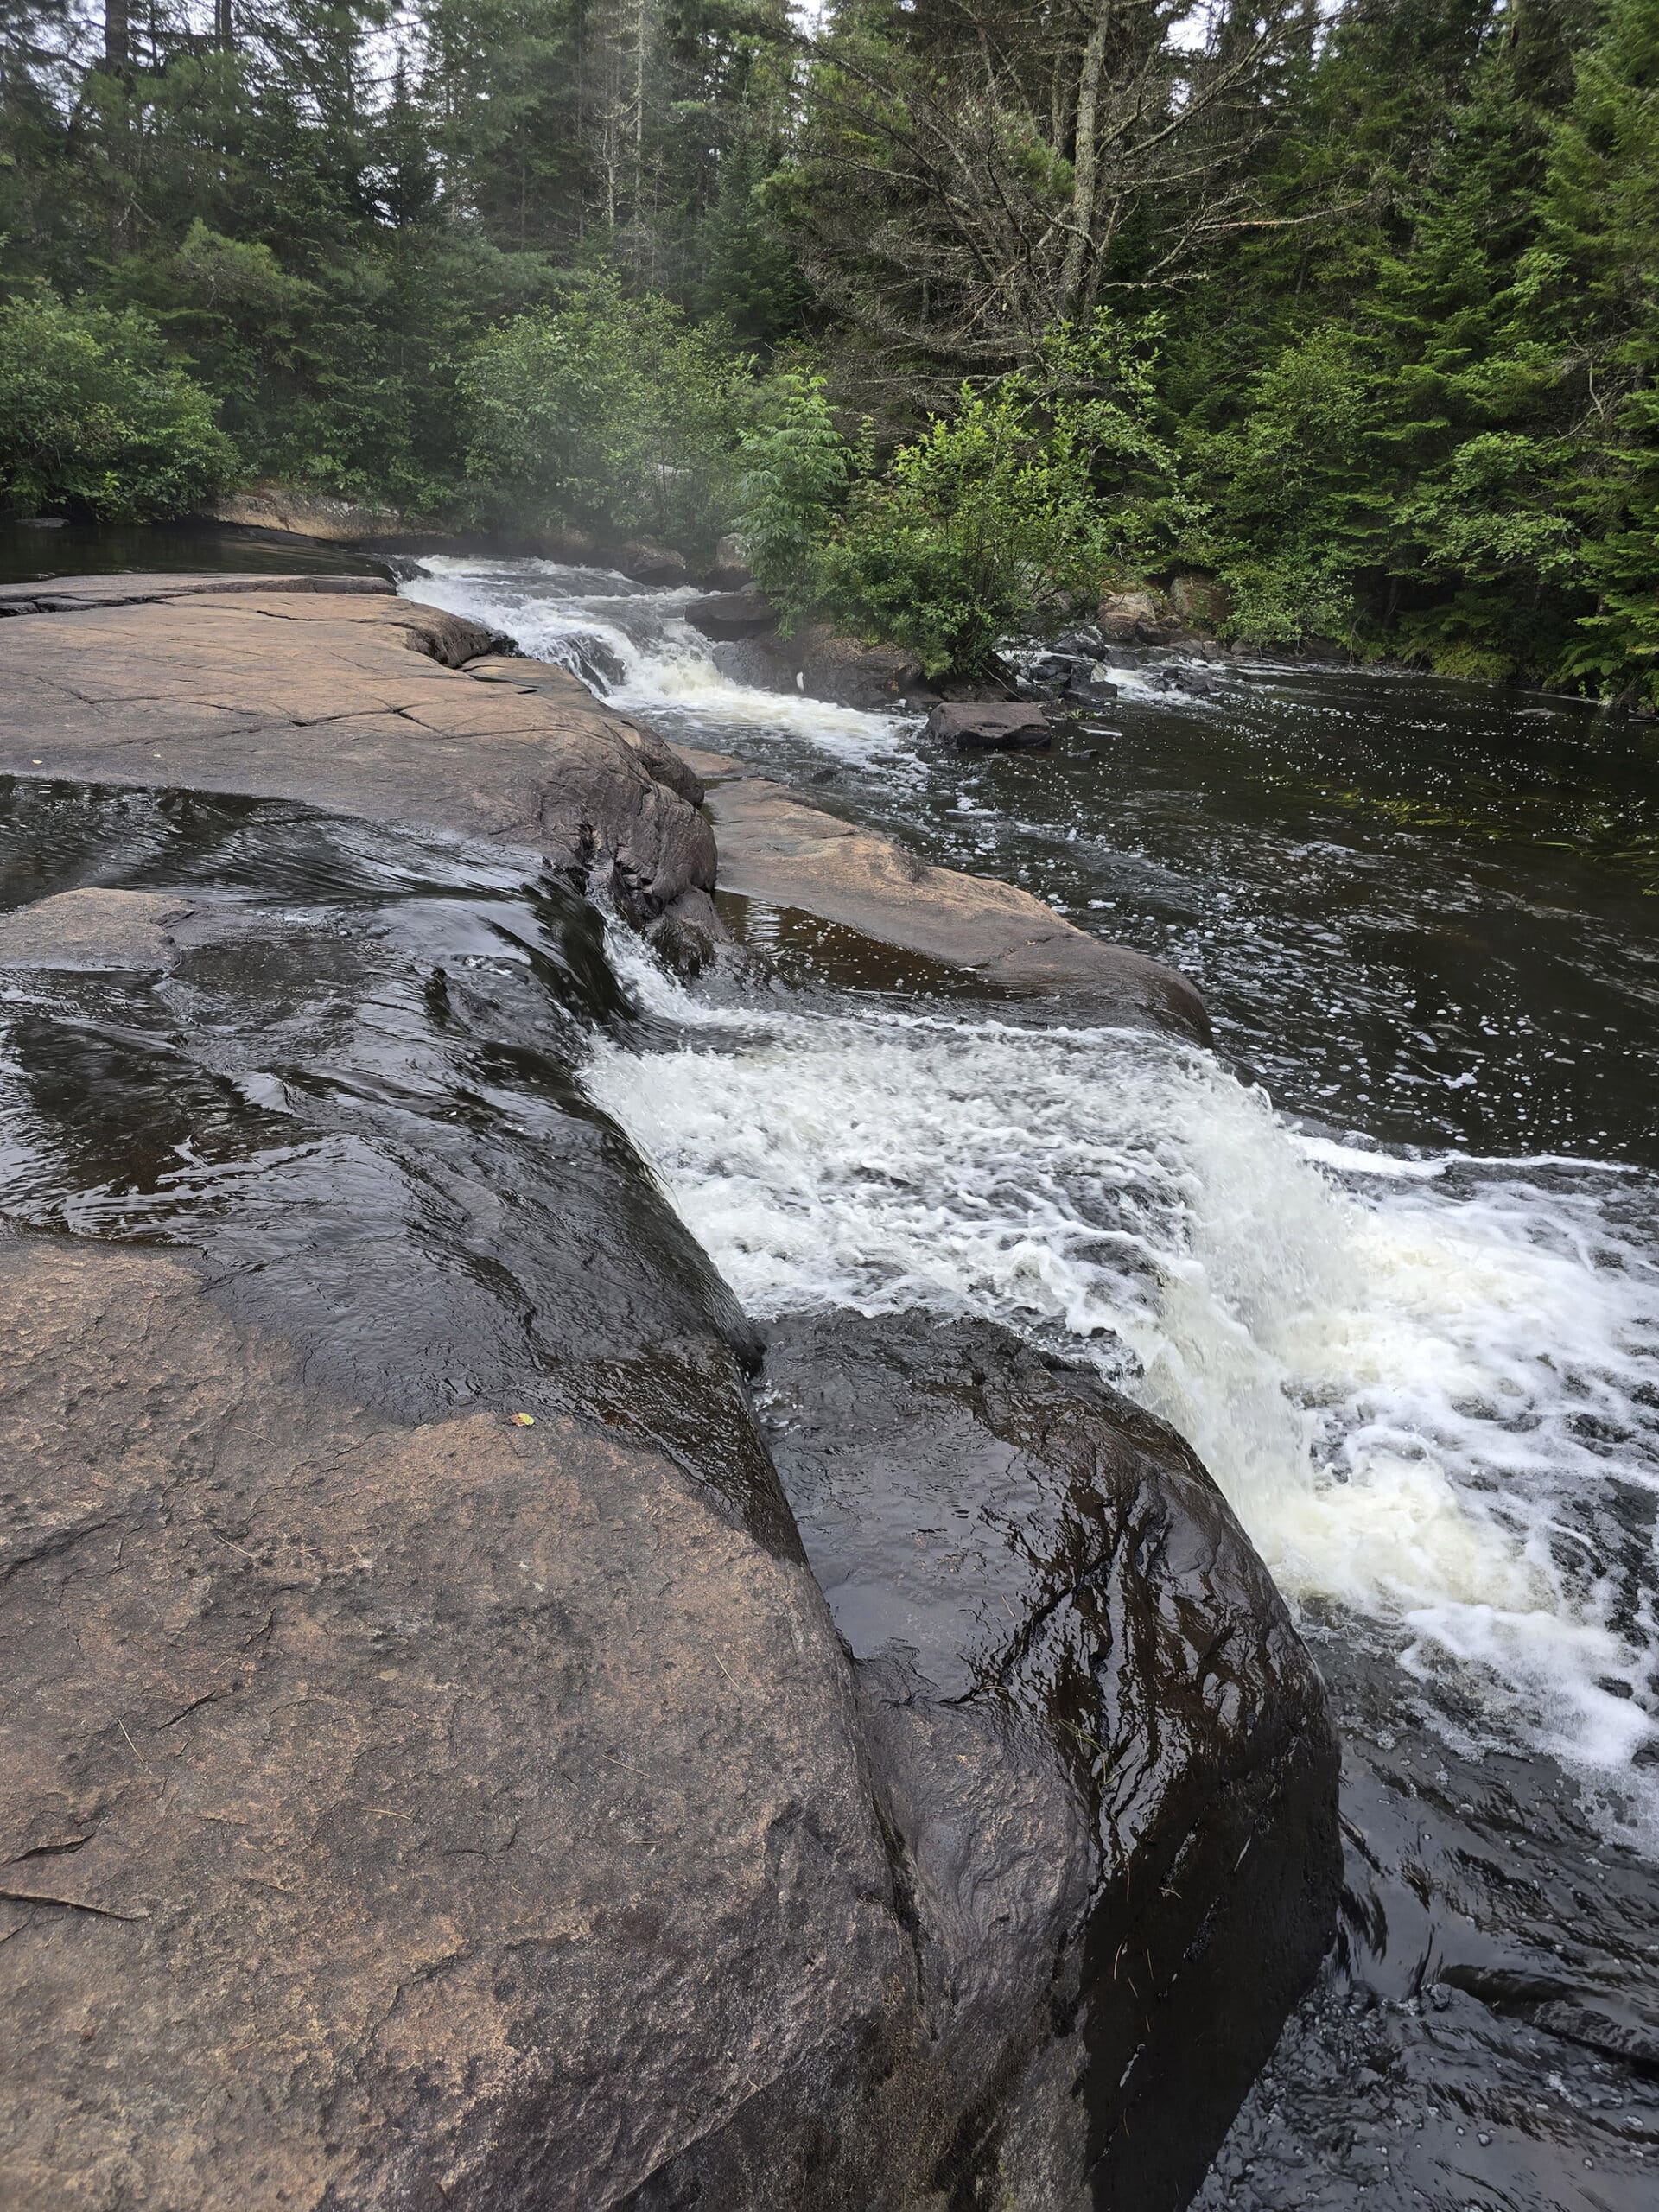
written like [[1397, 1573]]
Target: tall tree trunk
[[225, 24], [117, 36], [639, 34], [1085, 167]]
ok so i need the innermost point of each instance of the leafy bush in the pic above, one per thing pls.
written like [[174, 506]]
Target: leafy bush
[[998, 519], [608, 411], [795, 471], [1291, 504], [986, 524], [93, 416]]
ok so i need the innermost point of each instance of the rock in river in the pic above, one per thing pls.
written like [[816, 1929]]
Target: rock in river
[[1102, 1755], [733, 614], [973, 724]]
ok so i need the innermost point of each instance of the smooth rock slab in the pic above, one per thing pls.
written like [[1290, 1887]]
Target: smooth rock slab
[[773, 846], [351, 701], [94, 929], [398, 1816]]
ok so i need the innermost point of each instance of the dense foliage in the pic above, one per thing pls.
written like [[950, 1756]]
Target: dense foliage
[[93, 414], [964, 307], [608, 410]]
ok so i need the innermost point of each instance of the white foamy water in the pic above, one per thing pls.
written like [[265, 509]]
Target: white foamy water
[[634, 646], [1429, 1386], [1416, 1401]]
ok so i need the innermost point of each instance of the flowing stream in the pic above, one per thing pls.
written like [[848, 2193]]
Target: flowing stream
[[1389, 1258]]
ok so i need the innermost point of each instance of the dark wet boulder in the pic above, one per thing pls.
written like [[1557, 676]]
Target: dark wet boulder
[[1057, 675], [820, 662], [731, 568], [648, 562], [1198, 683], [1103, 1756], [971, 725], [727, 615]]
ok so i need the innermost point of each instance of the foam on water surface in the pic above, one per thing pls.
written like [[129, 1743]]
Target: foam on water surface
[[1419, 1396], [1428, 1381]]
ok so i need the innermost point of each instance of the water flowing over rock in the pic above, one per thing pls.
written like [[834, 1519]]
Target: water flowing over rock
[[431, 1771]]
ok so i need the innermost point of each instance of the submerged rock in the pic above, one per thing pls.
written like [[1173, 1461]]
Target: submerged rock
[[1105, 1766]]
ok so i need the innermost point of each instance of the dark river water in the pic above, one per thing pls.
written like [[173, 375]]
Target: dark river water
[[31, 551], [1390, 1257]]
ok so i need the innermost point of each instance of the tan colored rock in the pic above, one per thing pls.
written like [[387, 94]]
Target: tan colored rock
[[73, 595], [128, 930], [317, 696], [1126, 616], [391, 1816], [774, 846], [1200, 598], [307, 514], [430, 1771]]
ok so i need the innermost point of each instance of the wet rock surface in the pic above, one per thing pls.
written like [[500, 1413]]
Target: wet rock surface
[[76, 594], [1104, 1758], [431, 1771], [400, 1799], [969, 726], [774, 847], [815, 659], [316, 695]]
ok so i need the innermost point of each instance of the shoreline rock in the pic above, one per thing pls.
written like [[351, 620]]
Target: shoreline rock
[[313, 693], [776, 846], [1014, 1553]]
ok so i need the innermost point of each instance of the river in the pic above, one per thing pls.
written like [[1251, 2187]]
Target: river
[[1389, 1258]]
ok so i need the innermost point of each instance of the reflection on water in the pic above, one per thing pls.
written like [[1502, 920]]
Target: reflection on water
[[1408, 1310], [30, 552]]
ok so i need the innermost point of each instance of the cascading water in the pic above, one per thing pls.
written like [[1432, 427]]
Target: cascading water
[[1409, 1316]]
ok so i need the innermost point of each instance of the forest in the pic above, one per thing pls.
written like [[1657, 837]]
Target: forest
[[956, 309]]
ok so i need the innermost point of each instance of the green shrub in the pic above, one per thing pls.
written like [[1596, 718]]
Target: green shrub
[[998, 519], [94, 416], [794, 473], [985, 524], [608, 411]]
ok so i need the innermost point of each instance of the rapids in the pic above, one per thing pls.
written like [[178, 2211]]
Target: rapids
[[1389, 1259]]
